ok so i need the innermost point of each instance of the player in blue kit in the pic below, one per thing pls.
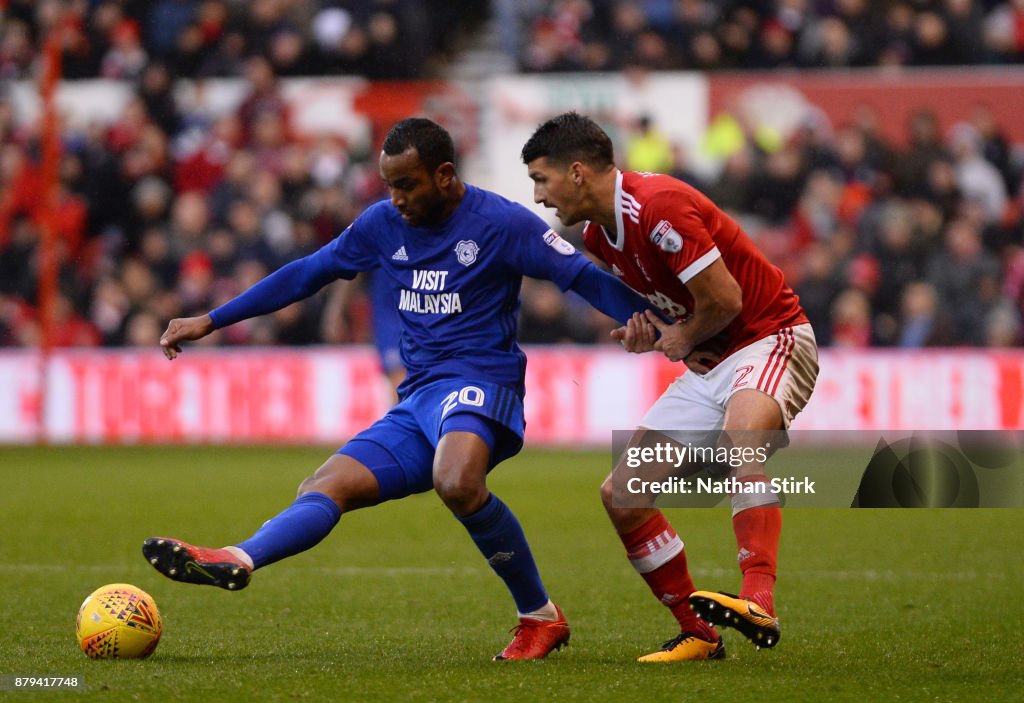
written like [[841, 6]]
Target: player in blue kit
[[385, 323], [454, 257], [387, 329]]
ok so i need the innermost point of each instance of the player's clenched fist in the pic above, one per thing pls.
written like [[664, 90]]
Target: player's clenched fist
[[637, 335], [672, 337], [184, 329]]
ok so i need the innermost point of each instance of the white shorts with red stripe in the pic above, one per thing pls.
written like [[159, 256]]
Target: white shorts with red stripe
[[783, 365]]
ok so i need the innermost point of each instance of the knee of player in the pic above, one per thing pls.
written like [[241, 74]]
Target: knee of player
[[614, 492], [308, 485], [608, 493], [462, 491], [316, 484], [331, 487], [614, 502], [621, 500]]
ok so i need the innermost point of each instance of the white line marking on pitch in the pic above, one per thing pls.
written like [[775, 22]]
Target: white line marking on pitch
[[397, 571], [870, 574], [330, 571]]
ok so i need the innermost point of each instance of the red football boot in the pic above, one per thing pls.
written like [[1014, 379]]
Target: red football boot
[[535, 639], [190, 564]]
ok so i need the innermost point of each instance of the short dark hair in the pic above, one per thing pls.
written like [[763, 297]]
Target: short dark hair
[[432, 142], [570, 137]]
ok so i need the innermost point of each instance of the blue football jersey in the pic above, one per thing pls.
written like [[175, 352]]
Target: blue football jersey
[[456, 285]]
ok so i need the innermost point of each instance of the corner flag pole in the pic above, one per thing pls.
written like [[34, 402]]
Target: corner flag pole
[[45, 209]]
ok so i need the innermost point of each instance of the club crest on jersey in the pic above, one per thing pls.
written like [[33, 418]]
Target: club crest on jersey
[[563, 247], [466, 250], [666, 238]]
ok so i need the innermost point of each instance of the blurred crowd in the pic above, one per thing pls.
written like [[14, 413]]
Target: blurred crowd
[[212, 38], [590, 35], [412, 38], [912, 246], [921, 245], [164, 213], [168, 211]]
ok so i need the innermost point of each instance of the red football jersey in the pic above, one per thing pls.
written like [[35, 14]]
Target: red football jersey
[[667, 233]]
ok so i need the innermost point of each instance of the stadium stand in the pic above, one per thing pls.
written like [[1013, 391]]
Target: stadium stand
[[168, 210], [589, 35], [208, 38]]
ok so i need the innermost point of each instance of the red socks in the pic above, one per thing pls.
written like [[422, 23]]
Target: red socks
[[657, 554], [757, 531]]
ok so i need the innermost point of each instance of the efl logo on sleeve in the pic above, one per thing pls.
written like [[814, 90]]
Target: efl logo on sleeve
[[563, 247], [666, 238]]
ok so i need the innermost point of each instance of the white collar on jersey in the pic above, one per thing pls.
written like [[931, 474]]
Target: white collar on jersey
[[620, 230]]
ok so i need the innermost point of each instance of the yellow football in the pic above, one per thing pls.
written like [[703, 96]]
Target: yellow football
[[118, 621]]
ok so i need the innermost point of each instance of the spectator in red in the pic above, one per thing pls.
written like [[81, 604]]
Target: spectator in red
[[204, 156], [851, 319], [69, 328]]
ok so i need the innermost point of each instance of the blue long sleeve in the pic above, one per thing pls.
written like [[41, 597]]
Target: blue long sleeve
[[292, 282], [609, 295]]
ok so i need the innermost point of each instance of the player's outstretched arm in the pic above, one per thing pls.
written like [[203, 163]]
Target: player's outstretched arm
[[290, 283], [184, 329], [608, 294]]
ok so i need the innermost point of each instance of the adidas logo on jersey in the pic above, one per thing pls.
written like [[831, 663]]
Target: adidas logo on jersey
[[400, 255]]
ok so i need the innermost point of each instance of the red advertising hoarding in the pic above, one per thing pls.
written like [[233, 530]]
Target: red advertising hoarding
[[575, 395]]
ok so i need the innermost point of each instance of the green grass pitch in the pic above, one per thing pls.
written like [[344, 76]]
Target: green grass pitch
[[910, 605]]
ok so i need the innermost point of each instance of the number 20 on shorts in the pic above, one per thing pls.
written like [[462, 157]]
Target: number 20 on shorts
[[470, 395]]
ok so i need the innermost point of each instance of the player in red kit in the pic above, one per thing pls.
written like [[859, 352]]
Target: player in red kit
[[749, 348]]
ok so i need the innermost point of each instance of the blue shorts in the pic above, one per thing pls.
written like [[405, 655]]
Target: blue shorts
[[399, 448]]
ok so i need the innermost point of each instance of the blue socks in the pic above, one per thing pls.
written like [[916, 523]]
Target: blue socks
[[302, 525], [500, 538], [493, 528]]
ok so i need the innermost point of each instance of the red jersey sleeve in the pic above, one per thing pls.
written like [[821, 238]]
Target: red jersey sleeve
[[676, 228]]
